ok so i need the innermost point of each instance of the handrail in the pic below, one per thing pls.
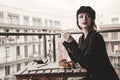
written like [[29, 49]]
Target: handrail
[[14, 34], [101, 31]]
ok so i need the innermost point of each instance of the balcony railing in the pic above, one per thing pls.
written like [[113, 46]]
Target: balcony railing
[[51, 34], [44, 36]]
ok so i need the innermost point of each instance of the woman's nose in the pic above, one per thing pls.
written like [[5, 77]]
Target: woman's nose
[[84, 18]]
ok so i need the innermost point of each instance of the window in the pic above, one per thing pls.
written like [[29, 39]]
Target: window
[[18, 67], [1, 17], [2, 40], [114, 47], [33, 49], [105, 35], [18, 50], [1, 14], [13, 18], [37, 22], [26, 20], [114, 35], [7, 70], [115, 20], [26, 50], [57, 24], [46, 23], [39, 48], [50, 23], [7, 50]]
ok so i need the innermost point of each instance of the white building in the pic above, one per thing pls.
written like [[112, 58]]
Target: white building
[[111, 18], [17, 51]]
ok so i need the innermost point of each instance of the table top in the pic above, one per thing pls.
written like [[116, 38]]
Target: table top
[[50, 70]]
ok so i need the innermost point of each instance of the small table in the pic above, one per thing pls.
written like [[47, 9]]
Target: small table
[[49, 71]]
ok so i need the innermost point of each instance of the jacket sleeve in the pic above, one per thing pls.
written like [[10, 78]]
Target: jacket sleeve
[[73, 50], [92, 56]]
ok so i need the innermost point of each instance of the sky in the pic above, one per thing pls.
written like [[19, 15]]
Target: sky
[[64, 7]]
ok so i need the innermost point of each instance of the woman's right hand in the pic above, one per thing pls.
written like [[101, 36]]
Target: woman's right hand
[[67, 37]]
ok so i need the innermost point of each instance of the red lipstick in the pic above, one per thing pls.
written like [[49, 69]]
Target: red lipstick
[[84, 23]]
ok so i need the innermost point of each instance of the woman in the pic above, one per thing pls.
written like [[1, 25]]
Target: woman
[[90, 52]]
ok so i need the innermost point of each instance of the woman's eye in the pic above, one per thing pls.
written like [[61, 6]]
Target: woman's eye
[[81, 17], [88, 16], [84, 16]]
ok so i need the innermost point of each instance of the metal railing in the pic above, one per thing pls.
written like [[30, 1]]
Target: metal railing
[[45, 34], [49, 34], [44, 37]]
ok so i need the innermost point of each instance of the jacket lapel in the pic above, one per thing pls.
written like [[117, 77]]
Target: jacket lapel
[[84, 43]]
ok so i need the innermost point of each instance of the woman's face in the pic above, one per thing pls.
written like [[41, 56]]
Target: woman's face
[[84, 20]]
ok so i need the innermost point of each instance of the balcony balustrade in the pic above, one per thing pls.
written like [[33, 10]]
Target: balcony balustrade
[[114, 58]]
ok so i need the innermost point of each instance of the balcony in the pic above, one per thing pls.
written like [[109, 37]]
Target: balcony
[[52, 49]]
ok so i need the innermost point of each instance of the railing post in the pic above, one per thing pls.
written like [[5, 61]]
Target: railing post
[[45, 46], [54, 48]]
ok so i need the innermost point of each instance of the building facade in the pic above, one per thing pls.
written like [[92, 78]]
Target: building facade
[[17, 51]]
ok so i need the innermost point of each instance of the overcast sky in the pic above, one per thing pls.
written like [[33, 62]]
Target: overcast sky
[[64, 7]]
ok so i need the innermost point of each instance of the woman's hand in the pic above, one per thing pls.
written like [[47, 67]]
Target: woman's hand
[[67, 37], [64, 63]]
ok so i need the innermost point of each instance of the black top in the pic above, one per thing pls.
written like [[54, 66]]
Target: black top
[[91, 54]]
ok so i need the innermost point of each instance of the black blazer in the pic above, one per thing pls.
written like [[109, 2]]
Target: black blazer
[[91, 54]]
